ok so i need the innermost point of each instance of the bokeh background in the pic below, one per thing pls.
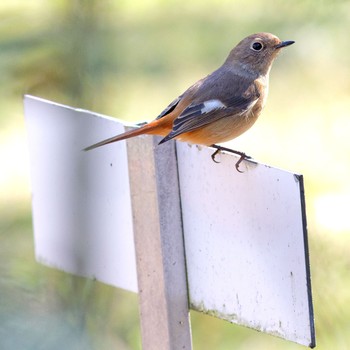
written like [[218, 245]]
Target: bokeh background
[[128, 59]]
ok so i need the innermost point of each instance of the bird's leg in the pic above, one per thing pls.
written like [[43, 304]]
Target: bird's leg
[[241, 154]]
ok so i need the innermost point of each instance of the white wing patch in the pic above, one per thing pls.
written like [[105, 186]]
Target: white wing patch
[[211, 105]]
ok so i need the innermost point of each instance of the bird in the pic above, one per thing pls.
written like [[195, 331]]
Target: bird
[[222, 105]]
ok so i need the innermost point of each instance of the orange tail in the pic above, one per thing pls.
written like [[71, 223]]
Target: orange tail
[[153, 128]]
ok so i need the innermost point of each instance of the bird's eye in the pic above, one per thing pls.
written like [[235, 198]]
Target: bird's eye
[[257, 46]]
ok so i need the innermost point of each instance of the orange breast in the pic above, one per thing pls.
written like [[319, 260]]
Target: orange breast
[[222, 130]]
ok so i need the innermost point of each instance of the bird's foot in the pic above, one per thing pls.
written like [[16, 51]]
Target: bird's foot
[[242, 155]]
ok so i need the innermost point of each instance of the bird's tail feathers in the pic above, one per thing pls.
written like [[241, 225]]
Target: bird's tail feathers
[[151, 128]]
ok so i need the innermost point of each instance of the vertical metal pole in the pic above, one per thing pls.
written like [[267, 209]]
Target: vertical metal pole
[[159, 244]]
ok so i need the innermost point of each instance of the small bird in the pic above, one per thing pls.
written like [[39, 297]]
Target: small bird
[[221, 106]]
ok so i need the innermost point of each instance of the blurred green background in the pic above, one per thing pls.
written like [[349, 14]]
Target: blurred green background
[[129, 59]]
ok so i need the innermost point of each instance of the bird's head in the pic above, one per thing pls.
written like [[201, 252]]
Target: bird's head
[[256, 53]]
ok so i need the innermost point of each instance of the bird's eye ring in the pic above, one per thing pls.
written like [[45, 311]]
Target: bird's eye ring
[[257, 46]]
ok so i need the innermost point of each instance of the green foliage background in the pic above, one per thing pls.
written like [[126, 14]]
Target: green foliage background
[[129, 59]]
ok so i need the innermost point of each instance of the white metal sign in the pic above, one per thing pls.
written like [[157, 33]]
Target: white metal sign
[[81, 203], [245, 239], [245, 234]]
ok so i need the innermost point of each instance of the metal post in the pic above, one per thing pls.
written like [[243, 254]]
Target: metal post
[[158, 235]]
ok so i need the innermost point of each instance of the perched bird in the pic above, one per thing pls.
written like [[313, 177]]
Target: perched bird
[[224, 104]]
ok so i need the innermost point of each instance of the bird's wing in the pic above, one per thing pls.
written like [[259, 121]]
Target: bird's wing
[[170, 108], [199, 114]]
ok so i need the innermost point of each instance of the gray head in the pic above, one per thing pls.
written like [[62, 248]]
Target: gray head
[[256, 53]]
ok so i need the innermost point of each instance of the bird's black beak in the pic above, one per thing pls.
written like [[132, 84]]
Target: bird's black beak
[[284, 44]]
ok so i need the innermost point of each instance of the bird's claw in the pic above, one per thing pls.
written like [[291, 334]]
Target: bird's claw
[[242, 155], [214, 154]]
